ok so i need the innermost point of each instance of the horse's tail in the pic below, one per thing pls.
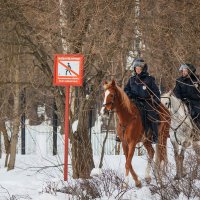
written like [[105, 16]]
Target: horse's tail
[[164, 128]]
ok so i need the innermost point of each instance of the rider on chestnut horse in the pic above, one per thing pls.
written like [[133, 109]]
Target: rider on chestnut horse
[[143, 91]]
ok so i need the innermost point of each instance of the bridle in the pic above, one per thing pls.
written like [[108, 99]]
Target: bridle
[[110, 103], [111, 111], [169, 106], [170, 102]]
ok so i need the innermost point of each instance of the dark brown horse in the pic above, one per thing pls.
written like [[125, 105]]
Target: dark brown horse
[[130, 129]]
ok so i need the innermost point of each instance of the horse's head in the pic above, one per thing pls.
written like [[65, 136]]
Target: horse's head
[[109, 97], [166, 99], [172, 103]]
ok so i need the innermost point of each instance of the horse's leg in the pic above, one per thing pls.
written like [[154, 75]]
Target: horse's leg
[[135, 177], [150, 152], [129, 167], [156, 164], [176, 156], [164, 143], [162, 146], [181, 159], [125, 150], [118, 148], [196, 147], [161, 160]]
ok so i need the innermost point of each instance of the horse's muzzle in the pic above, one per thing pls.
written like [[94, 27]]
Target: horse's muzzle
[[104, 112]]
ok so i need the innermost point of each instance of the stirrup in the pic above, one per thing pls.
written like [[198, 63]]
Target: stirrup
[[154, 141]]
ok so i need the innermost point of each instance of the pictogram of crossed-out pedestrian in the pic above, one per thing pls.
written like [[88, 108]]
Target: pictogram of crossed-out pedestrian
[[69, 69]]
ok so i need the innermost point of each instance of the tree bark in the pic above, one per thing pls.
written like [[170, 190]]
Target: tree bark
[[104, 141], [82, 157], [6, 141], [82, 154], [16, 120]]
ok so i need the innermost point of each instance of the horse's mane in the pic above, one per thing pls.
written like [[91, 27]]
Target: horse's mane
[[170, 94], [125, 100]]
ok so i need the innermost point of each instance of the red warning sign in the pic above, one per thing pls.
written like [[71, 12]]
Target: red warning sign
[[68, 69]]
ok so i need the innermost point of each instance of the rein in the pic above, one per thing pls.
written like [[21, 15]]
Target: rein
[[177, 109], [175, 130], [111, 102]]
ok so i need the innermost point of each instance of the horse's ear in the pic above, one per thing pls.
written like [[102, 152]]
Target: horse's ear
[[113, 82], [170, 92], [104, 82]]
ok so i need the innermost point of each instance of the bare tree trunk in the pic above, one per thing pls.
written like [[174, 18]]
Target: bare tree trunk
[[104, 141], [82, 158], [6, 141], [82, 154], [0, 148], [14, 137], [16, 121]]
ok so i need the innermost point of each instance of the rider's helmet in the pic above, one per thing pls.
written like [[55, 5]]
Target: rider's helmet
[[139, 62], [188, 66]]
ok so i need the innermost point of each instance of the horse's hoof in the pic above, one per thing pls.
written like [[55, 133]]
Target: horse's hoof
[[148, 180], [138, 184]]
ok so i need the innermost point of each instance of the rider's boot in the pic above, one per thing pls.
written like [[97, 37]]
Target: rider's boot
[[154, 127]]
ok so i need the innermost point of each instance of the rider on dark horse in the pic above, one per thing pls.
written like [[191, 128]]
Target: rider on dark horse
[[143, 91], [188, 90]]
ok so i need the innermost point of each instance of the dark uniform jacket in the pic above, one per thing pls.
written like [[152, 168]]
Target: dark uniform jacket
[[143, 91], [187, 88], [142, 87]]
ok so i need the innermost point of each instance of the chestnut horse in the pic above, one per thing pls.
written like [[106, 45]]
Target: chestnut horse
[[130, 129]]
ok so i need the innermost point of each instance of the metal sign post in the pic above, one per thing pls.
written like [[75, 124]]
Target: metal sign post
[[68, 71], [66, 133]]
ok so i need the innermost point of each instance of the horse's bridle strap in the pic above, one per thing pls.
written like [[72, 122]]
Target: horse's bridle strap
[[111, 102], [170, 104], [105, 104]]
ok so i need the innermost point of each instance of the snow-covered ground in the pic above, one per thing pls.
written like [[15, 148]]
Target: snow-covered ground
[[34, 177], [33, 174], [38, 173]]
